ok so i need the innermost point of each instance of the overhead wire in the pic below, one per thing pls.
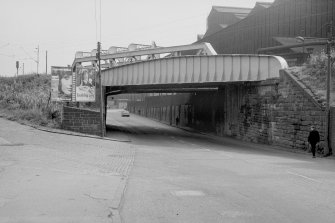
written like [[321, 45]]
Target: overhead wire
[[96, 22], [61, 46], [227, 30], [30, 57], [6, 55], [3, 46], [100, 21]]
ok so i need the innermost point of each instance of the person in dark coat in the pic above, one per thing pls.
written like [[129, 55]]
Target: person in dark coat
[[313, 139], [177, 121]]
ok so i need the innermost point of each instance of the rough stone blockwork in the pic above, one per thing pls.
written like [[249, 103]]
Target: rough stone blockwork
[[276, 111], [332, 127], [281, 114], [81, 120], [295, 111]]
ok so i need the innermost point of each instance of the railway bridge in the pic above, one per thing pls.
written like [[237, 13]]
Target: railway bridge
[[250, 97]]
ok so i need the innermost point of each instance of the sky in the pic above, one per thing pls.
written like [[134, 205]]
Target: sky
[[60, 28]]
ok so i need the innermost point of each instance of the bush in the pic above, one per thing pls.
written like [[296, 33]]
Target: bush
[[314, 75], [28, 98], [318, 62]]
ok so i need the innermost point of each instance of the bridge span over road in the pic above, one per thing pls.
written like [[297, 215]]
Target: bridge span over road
[[251, 97], [180, 73], [230, 95], [190, 68]]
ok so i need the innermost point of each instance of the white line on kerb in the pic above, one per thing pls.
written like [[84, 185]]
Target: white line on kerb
[[299, 175]]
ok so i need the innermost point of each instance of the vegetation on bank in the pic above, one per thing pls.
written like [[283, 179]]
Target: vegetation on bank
[[313, 75], [27, 98]]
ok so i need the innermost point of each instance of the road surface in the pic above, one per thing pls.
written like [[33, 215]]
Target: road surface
[[58, 178], [182, 176]]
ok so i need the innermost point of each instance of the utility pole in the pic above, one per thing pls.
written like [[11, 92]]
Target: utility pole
[[38, 56], [23, 68], [100, 88], [328, 80], [17, 68], [46, 62]]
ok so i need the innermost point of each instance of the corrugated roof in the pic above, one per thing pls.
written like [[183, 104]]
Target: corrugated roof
[[223, 26], [241, 16], [260, 6], [264, 4], [232, 9], [277, 2], [286, 41]]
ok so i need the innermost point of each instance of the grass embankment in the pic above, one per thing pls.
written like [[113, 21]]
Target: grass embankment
[[27, 99], [314, 76]]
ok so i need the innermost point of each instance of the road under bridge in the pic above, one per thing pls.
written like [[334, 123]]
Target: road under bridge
[[250, 97]]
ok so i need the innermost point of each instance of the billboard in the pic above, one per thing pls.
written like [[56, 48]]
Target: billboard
[[61, 83], [85, 84]]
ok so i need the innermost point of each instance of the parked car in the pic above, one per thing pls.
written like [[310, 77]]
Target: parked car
[[125, 113]]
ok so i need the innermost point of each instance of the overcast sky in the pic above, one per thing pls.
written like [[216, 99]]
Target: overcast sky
[[63, 27]]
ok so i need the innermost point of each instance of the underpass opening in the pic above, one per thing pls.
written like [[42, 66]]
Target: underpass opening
[[223, 94]]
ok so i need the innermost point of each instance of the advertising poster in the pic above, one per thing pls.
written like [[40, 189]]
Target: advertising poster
[[61, 84], [85, 85]]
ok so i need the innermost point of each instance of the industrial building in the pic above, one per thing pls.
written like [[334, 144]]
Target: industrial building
[[250, 31]]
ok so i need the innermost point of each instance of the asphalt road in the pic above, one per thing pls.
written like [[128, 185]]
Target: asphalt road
[[182, 176], [48, 177]]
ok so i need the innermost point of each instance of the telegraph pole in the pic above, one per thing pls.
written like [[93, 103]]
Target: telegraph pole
[[100, 88], [17, 68], [328, 88], [46, 62], [38, 57]]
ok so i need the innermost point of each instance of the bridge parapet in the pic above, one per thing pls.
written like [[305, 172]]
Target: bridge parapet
[[195, 70]]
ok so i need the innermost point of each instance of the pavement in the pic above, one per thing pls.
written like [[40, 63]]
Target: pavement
[[58, 176], [252, 144]]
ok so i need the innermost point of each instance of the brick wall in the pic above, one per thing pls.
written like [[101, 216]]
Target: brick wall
[[81, 120]]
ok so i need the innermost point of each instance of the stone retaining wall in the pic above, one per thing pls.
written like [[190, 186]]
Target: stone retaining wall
[[277, 111], [295, 111], [332, 127]]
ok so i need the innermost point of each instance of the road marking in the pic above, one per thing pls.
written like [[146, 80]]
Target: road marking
[[182, 193], [299, 175], [4, 141]]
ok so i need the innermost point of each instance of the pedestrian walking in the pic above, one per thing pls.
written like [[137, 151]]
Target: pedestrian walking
[[313, 139]]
